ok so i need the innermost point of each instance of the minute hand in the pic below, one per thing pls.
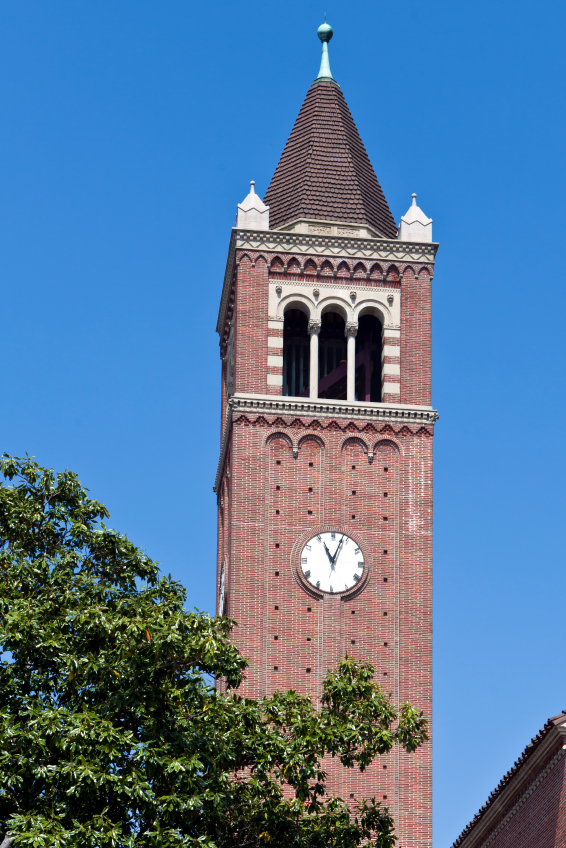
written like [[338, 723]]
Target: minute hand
[[337, 551]]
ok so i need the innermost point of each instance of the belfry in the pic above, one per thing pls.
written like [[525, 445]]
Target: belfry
[[324, 480]]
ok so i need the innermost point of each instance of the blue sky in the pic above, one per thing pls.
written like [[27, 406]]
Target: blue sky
[[130, 131]]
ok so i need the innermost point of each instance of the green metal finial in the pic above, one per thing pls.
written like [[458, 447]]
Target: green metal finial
[[325, 33]]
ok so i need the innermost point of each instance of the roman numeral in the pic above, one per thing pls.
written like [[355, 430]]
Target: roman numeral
[[318, 539], [318, 584], [331, 589], [307, 547], [333, 536], [361, 564], [357, 551], [307, 574], [356, 577], [304, 560]]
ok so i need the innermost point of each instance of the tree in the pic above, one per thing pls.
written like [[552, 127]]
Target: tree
[[111, 732]]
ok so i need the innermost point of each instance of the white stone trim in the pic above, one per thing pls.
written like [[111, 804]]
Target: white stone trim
[[406, 413], [392, 368], [274, 341], [275, 361], [275, 323], [275, 380], [391, 388], [390, 350]]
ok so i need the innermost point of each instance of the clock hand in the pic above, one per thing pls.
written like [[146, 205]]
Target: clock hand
[[327, 553], [337, 551]]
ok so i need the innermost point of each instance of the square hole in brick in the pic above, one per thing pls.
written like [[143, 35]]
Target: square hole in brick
[[278, 462], [276, 544], [353, 491], [385, 551], [384, 579], [384, 494], [275, 668], [353, 516], [385, 518], [309, 512], [311, 464], [310, 488], [276, 638], [276, 607], [385, 674], [384, 767], [353, 642], [277, 574], [277, 488], [308, 671], [308, 638], [385, 644], [351, 794], [353, 612], [384, 613], [353, 467], [385, 797], [386, 469], [309, 609], [276, 512]]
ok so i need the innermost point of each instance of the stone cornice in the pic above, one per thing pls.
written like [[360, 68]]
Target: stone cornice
[[279, 241], [381, 413]]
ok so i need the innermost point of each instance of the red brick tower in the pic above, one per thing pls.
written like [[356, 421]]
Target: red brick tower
[[324, 481]]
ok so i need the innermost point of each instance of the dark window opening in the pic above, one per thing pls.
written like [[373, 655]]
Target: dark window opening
[[368, 359], [296, 354], [332, 357]]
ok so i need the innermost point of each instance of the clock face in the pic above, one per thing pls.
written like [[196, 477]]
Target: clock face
[[332, 562]]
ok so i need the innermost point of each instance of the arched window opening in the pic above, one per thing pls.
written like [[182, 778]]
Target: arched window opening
[[368, 359], [332, 356], [296, 354]]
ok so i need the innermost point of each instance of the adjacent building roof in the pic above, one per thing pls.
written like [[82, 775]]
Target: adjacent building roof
[[324, 172], [535, 743]]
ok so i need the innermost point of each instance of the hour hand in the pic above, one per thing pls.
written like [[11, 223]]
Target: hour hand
[[328, 553]]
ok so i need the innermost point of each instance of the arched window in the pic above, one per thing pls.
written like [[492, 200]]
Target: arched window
[[332, 357], [296, 354], [368, 359]]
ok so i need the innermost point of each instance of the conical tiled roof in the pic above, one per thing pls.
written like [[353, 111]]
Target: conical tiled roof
[[324, 172]]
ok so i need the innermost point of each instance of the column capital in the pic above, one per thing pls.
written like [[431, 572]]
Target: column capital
[[351, 330], [314, 327]]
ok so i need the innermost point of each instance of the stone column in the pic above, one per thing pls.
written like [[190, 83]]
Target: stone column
[[350, 333], [314, 330]]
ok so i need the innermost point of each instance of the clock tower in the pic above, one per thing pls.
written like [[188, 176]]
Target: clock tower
[[324, 480]]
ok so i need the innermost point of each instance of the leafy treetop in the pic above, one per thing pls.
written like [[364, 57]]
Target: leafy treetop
[[111, 733]]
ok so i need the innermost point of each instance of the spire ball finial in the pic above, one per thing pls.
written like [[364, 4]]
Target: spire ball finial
[[325, 33], [414, 196], [252, 184]]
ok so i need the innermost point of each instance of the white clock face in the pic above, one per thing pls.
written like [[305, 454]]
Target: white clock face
[[332, 562]]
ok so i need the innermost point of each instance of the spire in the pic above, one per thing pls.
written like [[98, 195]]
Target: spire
[[325, 33], [324, 173]]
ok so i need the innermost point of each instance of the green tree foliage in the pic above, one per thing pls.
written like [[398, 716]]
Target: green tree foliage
[[111, 733]]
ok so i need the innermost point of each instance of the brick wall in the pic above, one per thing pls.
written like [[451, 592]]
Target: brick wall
[[291, 636], [271, 501]]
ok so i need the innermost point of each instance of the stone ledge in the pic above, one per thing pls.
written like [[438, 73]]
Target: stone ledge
[[358, 410]]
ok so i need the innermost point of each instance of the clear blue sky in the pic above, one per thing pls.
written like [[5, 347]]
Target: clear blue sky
[[129, 133]]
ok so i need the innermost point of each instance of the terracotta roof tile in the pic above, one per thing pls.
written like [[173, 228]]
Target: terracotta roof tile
[[529, 750], [325, 172]]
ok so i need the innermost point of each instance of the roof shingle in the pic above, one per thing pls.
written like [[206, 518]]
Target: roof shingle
[[324, 172]]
